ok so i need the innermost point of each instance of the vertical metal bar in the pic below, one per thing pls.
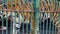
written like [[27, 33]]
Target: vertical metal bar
[[23, 23], [19, 20], [15, 16], [11, 29], [15, 23], [50, 25], [40, 19], [56, 4], [59, 16], [55, 32], [30, 22], [2, 16], [7, 17], [50, 4], [22, 19], [27, 23], [43, 23], [59, 4], [47, 26], [40, 23], [31, 17], [55, 27], [6, 22], [2, 22], [52, 22]]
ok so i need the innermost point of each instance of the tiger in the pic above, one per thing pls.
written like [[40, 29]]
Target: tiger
[[14, 5], [23, 7]]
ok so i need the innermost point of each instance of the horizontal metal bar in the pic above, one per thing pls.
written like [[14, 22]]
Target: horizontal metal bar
[[17, 10], [31, 11]]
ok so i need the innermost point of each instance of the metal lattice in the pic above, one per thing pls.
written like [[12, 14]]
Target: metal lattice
[[29, 16]]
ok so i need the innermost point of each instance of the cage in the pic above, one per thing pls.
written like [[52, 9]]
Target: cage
[[29, 17]]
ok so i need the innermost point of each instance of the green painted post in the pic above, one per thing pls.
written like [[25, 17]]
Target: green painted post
[[36, 16]]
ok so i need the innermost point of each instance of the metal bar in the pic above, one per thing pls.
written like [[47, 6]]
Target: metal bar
[[30, 22], [36, 9], [23, 24], [6, 22], [11, 28], [2, 23], [27, 23], [56, 4], [2, 16], [11, 24], [7, 17], [19, 21], [40, 23], [17, 10], [30, 10], [47, 25], [14, 23], [50, 25], [31, 17], [43, 23]]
